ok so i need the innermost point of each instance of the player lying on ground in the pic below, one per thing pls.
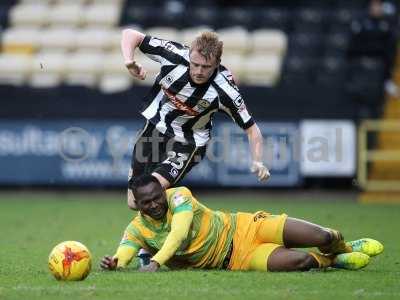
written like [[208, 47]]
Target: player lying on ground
[[181, 232]]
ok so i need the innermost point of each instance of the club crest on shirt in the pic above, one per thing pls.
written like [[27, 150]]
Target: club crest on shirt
[[203, 104]]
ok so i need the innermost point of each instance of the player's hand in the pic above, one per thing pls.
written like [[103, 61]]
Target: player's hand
[[260, 170], [153, 266], [136, 69], [109, 263]]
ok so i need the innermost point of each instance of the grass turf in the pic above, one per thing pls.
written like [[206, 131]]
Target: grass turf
[[31, 224]]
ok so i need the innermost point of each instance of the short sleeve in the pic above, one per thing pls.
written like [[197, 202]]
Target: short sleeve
[[231, 101], [163, 51]]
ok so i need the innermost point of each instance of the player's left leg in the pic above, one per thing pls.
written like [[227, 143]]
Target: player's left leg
[[179, 160], [273, 257]]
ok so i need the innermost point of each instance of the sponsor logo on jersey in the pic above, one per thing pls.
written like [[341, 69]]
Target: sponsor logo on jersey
[[260, 215], [179, 104], [178, 199]]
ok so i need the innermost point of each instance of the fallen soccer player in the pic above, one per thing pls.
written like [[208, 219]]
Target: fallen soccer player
[[180, 232]]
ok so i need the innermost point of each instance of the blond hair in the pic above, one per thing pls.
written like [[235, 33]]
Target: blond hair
[[208, 45]]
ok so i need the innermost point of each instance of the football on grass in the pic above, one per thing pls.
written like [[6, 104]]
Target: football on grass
[[70, 260]]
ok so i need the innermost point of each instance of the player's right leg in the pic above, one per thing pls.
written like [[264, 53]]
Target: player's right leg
[[142, 158]]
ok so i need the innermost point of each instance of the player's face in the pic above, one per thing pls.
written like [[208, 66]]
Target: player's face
[[201, 69], [152, 201]]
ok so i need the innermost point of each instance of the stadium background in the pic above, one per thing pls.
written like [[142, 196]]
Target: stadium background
[[322, 81]]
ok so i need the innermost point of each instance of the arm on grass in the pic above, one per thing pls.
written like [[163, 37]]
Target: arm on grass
[[121, 259], [180, 226]]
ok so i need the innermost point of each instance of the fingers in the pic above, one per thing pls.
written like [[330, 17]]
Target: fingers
[[137, 71], [140, 74], [264, 174], [107, 263], [256, 168], [260, 170]]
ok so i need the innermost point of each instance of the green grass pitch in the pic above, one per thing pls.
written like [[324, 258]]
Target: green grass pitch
[[32, 223]]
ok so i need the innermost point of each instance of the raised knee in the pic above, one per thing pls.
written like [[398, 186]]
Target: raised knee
[[326, 237]]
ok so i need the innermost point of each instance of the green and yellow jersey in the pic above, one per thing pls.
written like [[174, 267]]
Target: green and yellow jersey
[[190, 234]]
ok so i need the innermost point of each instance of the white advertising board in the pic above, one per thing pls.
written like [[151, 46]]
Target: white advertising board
[[328, 148]]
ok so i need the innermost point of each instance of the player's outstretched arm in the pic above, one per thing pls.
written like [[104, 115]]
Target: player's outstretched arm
[[121, 259], [131, 39], [180, 226], [256, 146]]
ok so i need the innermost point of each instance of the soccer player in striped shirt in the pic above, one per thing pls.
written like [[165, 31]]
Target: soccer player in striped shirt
[[191, 86], [180, 232]]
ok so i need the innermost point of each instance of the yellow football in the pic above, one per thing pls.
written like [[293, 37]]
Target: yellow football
[[70, 260]]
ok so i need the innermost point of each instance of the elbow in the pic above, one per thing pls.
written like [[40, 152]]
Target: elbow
[[132, 34], [182, 237], [127, 33]]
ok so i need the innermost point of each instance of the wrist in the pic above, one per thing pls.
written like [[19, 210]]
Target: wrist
[[129, 63], [156, 262]]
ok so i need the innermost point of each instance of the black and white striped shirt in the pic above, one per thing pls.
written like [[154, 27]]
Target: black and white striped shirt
[[182, 109]]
